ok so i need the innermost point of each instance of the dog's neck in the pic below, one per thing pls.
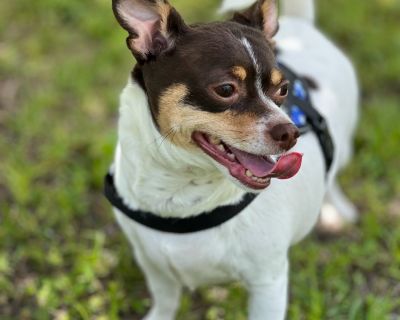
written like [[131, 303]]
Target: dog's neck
[[151, 174]]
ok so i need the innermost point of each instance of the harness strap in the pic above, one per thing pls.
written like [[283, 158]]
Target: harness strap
[[299, 107], [201, 222]]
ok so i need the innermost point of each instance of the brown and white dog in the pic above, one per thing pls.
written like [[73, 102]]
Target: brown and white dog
[[201, 125]]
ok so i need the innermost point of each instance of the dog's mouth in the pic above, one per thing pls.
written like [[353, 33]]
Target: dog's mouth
[[254, 171]]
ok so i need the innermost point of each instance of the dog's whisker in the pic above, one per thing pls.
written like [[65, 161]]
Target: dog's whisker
[[171, 133], [162, 137]]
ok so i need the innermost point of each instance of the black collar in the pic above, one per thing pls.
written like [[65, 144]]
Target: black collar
[[201, 222]]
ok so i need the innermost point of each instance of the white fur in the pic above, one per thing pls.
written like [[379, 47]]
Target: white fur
[[154, 175]]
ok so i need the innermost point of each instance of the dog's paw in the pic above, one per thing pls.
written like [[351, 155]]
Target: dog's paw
[[330, 220], [333, 220]]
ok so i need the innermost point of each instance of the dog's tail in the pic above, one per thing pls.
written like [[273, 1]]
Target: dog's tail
[[303, 9]]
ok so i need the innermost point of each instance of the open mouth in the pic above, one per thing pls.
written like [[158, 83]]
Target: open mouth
[[254, 171]]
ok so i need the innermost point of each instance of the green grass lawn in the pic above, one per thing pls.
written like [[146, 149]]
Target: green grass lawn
[[62, 66]]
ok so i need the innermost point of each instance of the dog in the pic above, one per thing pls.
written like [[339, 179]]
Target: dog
[[201, 128]]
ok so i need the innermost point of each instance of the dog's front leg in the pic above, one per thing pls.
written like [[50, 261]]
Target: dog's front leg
[[268, 296], [165, 292]]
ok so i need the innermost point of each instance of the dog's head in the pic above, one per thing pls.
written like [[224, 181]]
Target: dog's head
[[215, 86]]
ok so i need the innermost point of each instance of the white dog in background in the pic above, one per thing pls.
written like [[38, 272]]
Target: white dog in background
[[169, 175]]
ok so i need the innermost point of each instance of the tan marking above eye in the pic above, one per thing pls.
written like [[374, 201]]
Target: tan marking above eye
[[276, 77], [239, 72]]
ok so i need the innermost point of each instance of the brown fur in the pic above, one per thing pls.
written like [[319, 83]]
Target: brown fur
[[180, 66], [178, 121], [164, 10], [267, 7], [270, 20]]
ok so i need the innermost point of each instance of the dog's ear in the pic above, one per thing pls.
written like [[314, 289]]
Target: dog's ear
[[262, 15], [153, 26]]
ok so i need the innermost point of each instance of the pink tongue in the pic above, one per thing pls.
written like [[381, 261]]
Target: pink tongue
[[286, 167]]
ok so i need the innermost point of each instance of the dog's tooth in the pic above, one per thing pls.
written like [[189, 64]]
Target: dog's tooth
[[231, 156], [254, 178], [215, 140], [221, 147], [249, 173]]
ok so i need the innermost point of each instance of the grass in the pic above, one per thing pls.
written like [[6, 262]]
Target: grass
[[62, 66]]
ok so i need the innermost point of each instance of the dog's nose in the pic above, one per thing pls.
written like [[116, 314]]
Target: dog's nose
[[285, 134]]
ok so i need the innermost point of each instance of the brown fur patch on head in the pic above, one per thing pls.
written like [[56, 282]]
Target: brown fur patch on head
[[177, 121], [276, 77], [239, 72]]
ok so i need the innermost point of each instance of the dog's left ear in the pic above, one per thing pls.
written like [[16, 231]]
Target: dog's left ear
[[153, 26], [262, 15]]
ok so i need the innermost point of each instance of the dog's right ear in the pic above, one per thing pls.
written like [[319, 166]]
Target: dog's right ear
[[262, 15], [153, 26]]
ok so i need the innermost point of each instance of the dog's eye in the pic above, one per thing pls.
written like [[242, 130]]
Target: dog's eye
[[225, 90], [281, 93], [283, 90]]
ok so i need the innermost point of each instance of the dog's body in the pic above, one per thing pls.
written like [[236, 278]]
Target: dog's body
[[153, 174]]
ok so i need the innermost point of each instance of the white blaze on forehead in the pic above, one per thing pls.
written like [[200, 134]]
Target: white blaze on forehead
[[250, 51], [258, 84]]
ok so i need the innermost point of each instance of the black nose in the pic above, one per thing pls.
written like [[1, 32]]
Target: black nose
[[285, 134]]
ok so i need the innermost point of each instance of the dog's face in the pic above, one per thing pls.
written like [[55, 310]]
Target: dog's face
[[215, 86]]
